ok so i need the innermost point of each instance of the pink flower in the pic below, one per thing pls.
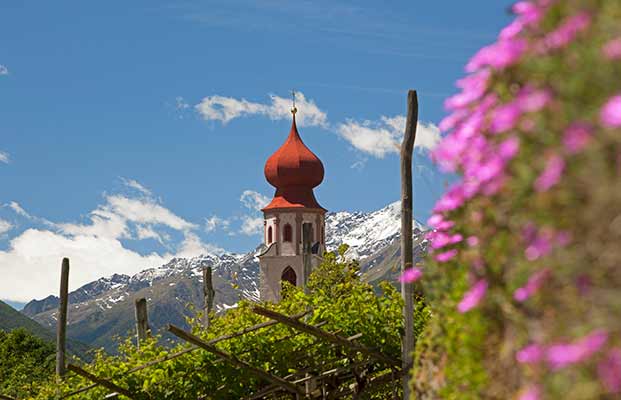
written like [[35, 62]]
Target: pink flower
[[505, 117], [531, 100], [539, 247], [509, 148], [550, 176], [452, 120], [472, 241], [499, 55], [609, 371], [532, 286], [610, 115], [473, 297], [562, 238], [567, 31], [435, 219], [411, 275], [564, 354], [512, 30], [532, 392], [576, 137], [488, 170], [451, 200], [446, 256], [529, 12], [612, 49], [531, 354], [473, 86], [442, 239]]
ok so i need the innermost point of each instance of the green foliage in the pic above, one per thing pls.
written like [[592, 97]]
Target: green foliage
[[339, 300], [24, 360]]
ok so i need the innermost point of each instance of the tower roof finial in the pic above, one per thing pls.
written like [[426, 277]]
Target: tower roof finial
[[293, 109]]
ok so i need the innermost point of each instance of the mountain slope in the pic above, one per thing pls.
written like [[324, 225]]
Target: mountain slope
[[11, 319], [103, 309]]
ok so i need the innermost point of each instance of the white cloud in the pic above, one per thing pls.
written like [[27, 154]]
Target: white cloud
[[376, 138], [215, 222], [134, 184], [33, 258], [18, 209], [251, 225], [254, 200], [382, 137], [225, 109], [3, 70], [96, 247], [5, 226], [4, 157], [192, 245]]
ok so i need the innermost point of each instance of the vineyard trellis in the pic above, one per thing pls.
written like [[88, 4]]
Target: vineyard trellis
[[338, 377]]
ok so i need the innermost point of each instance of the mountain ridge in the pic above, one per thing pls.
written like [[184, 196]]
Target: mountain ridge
[[103, 308]]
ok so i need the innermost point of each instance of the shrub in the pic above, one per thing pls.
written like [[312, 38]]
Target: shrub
[[525, 274]]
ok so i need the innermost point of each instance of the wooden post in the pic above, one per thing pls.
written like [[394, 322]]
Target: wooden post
[[407, 256], [209, 295], [306, 251], [61, 326], [307, 243], [142, 320]]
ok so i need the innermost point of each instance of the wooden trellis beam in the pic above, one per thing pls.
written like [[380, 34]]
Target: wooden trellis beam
[[341, 341], [235, 361], [103, 382]]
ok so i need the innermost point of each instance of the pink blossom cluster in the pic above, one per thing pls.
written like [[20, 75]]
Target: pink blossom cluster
[[473, 296], [609, 371], [539, 242], [483, 137], [411, 275], [534, 283], [612, 49], [610, 115], [567, 31], [562, 354]]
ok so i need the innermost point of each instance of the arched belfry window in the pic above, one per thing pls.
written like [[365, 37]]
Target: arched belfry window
[[288, 275], [287, 233], [269, 235]]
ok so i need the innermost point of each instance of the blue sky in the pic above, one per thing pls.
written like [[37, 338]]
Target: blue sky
[[124, 136]]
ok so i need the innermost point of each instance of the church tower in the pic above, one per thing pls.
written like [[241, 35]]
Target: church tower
[[294, 171]]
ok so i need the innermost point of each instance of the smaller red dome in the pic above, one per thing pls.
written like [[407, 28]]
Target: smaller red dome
[[293, 164], [294, 170]]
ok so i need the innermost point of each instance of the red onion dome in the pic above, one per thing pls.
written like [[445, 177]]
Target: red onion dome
[[294, 170]]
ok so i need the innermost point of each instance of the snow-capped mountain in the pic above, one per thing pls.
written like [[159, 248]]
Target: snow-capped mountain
[[103, 309], [365, 233]]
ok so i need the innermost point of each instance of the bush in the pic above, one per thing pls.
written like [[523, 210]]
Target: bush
[[525, 275], [24, 360]]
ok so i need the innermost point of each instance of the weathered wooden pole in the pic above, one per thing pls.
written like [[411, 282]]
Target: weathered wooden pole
[[209, 295], [407, 252], [61, 326], [307, 240], [142, 320]]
